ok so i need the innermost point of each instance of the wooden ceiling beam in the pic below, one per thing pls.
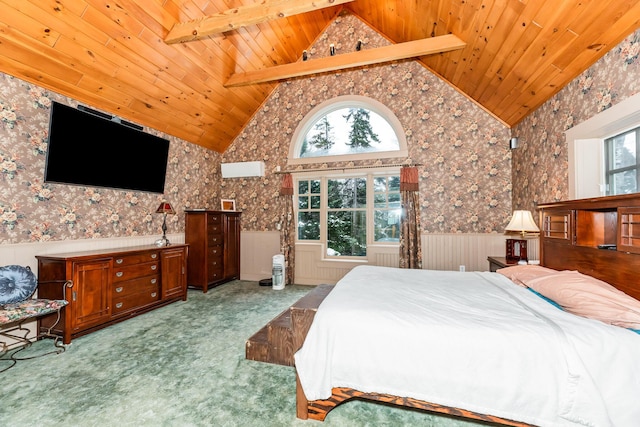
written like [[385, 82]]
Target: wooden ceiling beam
[[243, 16], [378, 55]]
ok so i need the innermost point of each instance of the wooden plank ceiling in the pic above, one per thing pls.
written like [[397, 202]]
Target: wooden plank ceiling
[[112, 55]]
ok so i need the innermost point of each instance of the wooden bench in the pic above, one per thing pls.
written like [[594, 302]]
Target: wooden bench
[[276, 342]]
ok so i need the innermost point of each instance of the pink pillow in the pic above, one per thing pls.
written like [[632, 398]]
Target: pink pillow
[[520, 274], [589, 297]]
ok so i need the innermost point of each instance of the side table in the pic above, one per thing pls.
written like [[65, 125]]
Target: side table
[[496, 262]]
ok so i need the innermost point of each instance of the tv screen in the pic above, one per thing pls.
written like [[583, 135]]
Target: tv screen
[[92, 150]]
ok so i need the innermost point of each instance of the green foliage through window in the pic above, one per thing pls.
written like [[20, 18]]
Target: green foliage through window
[[341, 207]]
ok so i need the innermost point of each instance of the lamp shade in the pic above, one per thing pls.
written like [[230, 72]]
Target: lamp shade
[[165, 208], [522, 222]]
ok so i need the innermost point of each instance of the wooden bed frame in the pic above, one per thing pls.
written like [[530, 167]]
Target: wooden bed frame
[[576, 235]]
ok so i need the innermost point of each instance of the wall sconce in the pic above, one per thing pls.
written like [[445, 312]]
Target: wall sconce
[[513, 143], [332, 49], [165, 209], [305, 55], [359, 45]]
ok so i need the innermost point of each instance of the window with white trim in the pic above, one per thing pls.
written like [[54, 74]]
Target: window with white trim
[[347, 211], [588, 162]]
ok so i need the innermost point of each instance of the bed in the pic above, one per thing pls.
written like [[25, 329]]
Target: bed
[[481, 345]]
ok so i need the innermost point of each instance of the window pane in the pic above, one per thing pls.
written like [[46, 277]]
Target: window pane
[[394, 200], [347, 193], [303, 187], [624, 182], [380, 200], [380, 184], [315, 186], [347, 233], [387, 226], [309, 226], [394, 183], [303, 202], [624, 150], [315, 202]]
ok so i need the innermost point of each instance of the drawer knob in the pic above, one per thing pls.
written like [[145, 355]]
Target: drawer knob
[[119, 274], [119, 289], [154, 294], [153, 281], [153, 267], [154, 256], [119, 305], [119, 261]]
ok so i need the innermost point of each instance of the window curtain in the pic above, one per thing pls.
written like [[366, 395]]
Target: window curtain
[[410, 247], [287, 228]]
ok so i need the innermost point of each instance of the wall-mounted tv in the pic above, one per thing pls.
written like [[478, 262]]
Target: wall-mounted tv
[[90, 148]]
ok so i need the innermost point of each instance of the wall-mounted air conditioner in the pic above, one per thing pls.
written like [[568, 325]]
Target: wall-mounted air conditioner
[[242, 169]]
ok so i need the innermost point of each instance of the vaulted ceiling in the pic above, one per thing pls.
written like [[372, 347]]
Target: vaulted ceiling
[[114, 54]]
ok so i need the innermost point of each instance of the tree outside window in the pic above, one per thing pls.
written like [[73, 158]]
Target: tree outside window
[[349, 131]]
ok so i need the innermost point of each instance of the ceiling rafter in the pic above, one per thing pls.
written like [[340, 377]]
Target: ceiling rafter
[[243, 16], [378, 55]]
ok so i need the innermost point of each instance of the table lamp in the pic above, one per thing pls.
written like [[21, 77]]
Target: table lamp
[[165, 208], [523, 224]]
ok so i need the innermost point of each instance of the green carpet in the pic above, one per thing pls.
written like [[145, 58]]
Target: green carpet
[[180, 365]]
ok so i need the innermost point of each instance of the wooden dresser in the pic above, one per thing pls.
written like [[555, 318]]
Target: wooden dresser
[[214, 247], [108, 286]]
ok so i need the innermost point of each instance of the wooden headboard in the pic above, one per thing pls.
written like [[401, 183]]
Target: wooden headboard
[[598, 236]]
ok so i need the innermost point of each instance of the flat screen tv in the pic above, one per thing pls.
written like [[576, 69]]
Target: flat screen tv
[[89, 148]]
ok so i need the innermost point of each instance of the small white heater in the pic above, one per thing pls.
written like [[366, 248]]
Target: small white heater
[[278, 272]]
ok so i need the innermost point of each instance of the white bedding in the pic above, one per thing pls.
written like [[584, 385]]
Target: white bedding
[[474, 341]]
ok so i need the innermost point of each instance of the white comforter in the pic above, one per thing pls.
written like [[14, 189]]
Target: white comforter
[[474, 341]]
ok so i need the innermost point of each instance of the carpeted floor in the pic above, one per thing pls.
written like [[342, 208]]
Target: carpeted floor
[[180, 365]]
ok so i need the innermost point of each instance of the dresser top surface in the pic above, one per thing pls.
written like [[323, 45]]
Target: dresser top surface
[[110, 251]]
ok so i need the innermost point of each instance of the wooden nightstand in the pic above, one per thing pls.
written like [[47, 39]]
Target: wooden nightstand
[[496, 262]]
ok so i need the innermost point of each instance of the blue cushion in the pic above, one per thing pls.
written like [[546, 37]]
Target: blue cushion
[[17, 283], [637, 331]]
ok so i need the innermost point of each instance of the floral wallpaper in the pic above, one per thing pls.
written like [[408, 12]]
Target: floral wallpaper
[[540, 164], [465, 180], [34, 211], [466, 173]]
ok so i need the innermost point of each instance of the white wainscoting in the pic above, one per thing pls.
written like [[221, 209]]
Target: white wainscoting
[[257, 249], [25, 253], [439, 252], [450, 251]]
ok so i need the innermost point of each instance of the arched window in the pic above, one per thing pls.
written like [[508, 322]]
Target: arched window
[[348, 128]]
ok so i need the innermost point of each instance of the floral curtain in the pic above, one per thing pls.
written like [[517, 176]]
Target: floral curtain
[[287, 228], [410, 247]]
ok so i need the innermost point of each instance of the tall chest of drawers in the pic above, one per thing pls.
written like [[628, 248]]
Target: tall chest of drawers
[[214, 247], [105, 287]]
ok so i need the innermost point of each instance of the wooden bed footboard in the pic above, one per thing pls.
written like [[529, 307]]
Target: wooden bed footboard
[[318, 409]]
